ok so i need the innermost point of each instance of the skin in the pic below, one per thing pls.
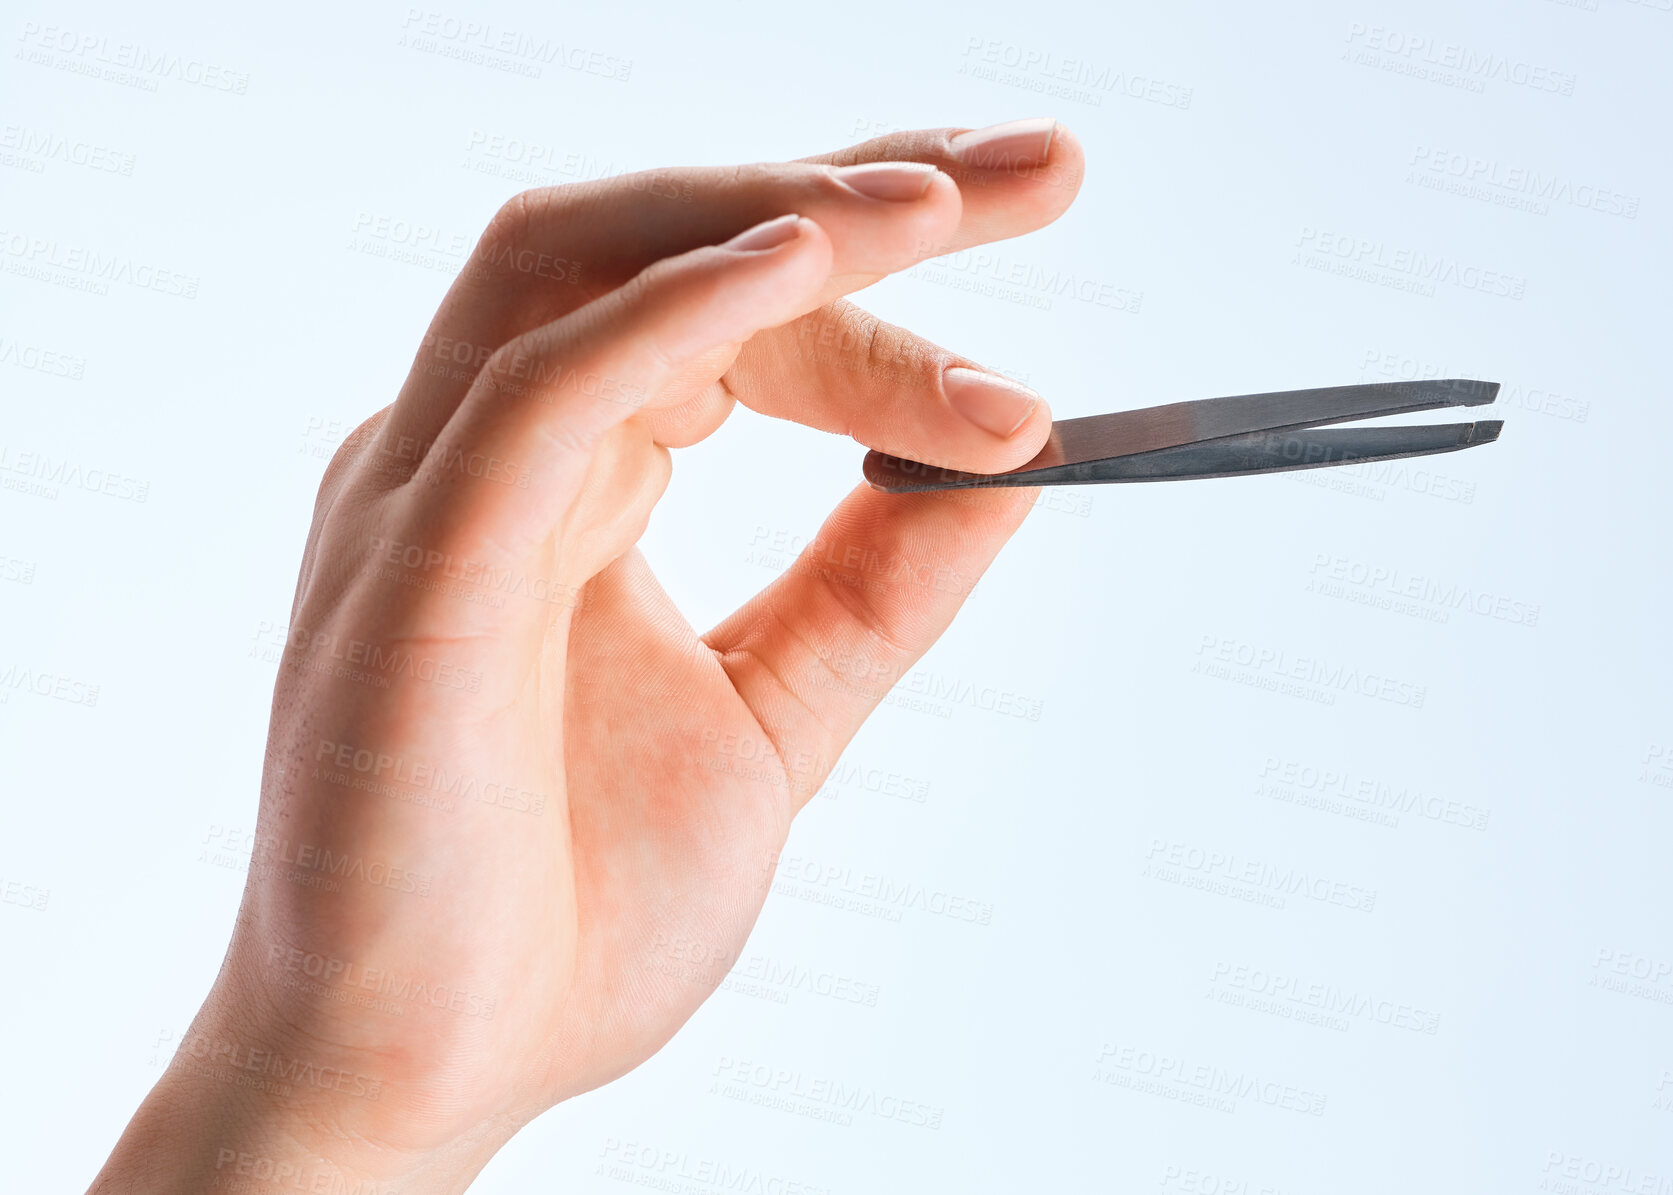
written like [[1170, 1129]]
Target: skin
[[629, 782]]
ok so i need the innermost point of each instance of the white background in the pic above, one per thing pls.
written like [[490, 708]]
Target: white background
[[1111, 729]]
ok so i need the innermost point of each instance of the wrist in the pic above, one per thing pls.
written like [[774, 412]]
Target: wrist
[[248, 1109]]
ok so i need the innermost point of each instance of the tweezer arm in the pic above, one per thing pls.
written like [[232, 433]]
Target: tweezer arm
[[1276, 452], [1220, 437]]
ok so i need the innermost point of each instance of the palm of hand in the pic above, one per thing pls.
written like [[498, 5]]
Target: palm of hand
[[605, 854]]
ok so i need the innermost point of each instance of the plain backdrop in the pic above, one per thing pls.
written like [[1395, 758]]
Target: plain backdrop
[[1317, 825]]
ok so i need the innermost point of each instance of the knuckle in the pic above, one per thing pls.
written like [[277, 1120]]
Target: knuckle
[[350, 450], [748, 175], [518, 222], [871, 342], [887, 353], [343, 466], [507, 365], [510, 225], [635, 297]]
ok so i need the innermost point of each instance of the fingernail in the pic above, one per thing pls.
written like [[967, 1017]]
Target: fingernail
[[1006, 146], [992, 403], [768, 235], [894, 181]]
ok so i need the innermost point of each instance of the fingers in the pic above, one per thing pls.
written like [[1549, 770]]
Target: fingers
[[550, 251], [841, 369], [815, 652], [1014, 177], [518, 450]]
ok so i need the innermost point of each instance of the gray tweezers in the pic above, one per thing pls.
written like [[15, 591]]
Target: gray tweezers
[[1224, 437]]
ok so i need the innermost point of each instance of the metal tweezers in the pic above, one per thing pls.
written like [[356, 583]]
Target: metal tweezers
[[1224, 437]]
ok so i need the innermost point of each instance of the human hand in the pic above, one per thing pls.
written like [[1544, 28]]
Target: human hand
[[491, 796]]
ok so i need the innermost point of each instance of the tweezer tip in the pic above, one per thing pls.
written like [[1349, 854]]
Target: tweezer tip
[[1472, 392], [1484, 431]]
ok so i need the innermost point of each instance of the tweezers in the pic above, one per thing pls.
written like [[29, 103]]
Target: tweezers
[[1224, 437]]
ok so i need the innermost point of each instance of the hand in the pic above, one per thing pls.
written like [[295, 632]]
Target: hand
[[499, 775]]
